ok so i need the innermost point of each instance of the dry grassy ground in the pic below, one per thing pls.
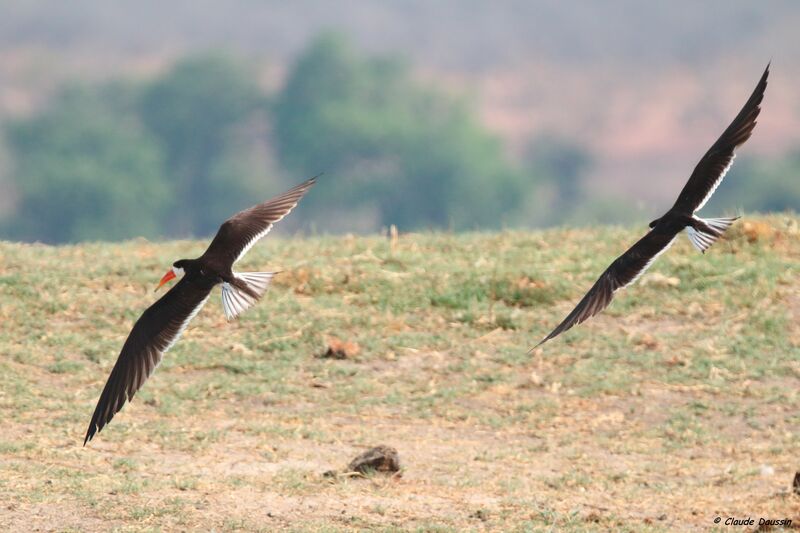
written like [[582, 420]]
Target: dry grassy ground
[[679, 404]]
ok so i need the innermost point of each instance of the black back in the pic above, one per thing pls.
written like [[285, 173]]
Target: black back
[[711, 169]]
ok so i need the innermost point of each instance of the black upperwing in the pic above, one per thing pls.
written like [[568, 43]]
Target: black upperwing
[[711, 169], [154, 333], [240, 232], [622, 272]]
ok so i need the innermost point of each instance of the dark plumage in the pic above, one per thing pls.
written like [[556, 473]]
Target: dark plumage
[[705, 178], [162, 323]]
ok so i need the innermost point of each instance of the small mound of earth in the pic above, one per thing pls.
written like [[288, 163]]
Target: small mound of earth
[[339, 349], [378, 459], [756, 230]]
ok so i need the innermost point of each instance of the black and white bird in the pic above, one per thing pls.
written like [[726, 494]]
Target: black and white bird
[[702, 233], [162, 323]]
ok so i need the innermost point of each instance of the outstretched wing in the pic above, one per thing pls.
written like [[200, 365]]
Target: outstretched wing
[[626, 269], [240, 232], [711, 169], [154, 333]]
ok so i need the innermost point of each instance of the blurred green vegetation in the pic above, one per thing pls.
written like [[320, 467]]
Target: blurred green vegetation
[[120, 160], [760, 185], [196, 113], [401, 153], [85, 169], [175, 155]]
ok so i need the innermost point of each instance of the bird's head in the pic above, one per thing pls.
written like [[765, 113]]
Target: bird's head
[[174, 272]]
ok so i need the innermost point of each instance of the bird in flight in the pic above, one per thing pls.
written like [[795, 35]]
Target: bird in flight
[[702, 233], [162, 323]]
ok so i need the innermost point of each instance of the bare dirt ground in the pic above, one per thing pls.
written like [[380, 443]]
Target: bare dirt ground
[[678, 405]]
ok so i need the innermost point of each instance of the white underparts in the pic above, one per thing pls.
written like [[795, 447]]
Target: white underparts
[[235, 301], [715, 185], [702, 240], [182, 327], [647, 265], [254, 240]]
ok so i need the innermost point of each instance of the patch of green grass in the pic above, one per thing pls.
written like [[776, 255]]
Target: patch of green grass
[[244, 412], [296, 481]]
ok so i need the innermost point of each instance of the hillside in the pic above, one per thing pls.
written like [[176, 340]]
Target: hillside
[[677, 405], [640, 89]]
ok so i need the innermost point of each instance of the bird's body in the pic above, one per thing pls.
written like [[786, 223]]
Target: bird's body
[[162, 323], [702, 233]]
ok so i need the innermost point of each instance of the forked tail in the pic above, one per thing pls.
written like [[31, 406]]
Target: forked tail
[[708, 231], [235, 301]]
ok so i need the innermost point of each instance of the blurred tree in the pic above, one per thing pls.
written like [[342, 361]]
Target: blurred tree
[[759, 185], [406, 154], [85, 170], [195, 111], [562, 165], [561, 162]]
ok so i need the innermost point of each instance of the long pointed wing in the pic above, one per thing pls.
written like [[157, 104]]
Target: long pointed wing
[[154, 333], [240, 232], [711, 169], [625, 270]]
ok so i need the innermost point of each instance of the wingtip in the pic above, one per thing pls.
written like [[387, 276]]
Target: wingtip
[[88, 437], [540, 343], [307, 184]]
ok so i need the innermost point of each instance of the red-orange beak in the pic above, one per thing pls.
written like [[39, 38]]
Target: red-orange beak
[[168, 276]]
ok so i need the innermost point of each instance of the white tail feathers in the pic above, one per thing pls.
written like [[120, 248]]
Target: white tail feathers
[[236, 301], [703, 240]]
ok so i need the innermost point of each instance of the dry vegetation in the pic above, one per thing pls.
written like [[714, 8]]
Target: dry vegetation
[[677, 405]]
